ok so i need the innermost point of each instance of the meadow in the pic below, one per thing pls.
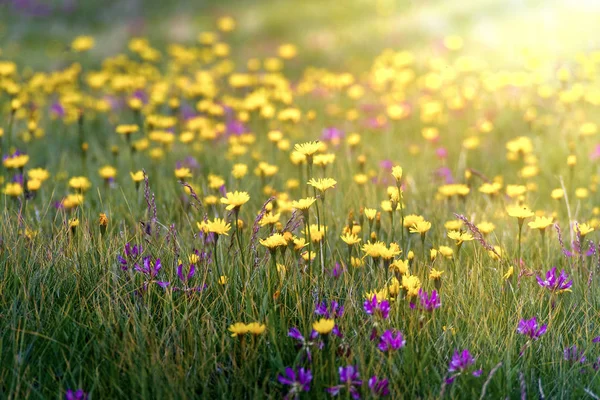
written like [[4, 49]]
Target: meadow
[[198, 220]]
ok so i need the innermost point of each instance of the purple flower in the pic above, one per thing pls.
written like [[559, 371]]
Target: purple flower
[[572, 355], [57, 109], [304, 344], [554, 282], [78, 394], [386, 164], [349, 380], [596, 339], [460, 362], [335, 310], [337, 270], [427, 302], [530, 327], [150, 272], [391, 340], [376, 308], [299, 381], [332, 134], [379, 387], [130, 255]]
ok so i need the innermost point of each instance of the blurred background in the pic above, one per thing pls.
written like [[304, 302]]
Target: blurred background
[[327, 32]]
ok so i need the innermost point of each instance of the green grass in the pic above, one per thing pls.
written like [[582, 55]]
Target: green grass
[[70, 317]]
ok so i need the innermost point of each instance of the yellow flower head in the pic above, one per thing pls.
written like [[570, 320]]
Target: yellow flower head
[[274, 241], [183, 172], [435, 274], [239, 328], [13, 189], [397, 172], [584, 229], [460, 237], [137, 176], [520, 212], [303, 204], [217, 226], [256, 328], [323, 326], [350, 239], [308, 149], [322, 184], [420, 227], [82, 43], [107, 172], [235, 200], [39, 174], [540, 223], [80, 183]]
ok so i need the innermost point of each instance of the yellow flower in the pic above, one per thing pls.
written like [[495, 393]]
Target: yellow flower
[[486, 227], [508, 273], [183, 172], [460, 237], [446, 251], [322, 184], [400, 266], [103, 220], [411, 284], [557, 194], [13, 189], [584, 229], [33, 185], [308, 149], [127, 129], [274, 241], [453, 225], [239, 328], [223, 280], [303, 204], [350, 239], [39, 174], [217, 226], [107, 172], [323, 326], [374, 250], [239, 171], [397, 172], [73, 223], [540, 223], [137, 176], [16, 161], [82, 43], [370, 213], [412, 219], [269, 219], [235, 200], [435, 274], [80, 183], [520, 212], [256, 328], [420, 227]]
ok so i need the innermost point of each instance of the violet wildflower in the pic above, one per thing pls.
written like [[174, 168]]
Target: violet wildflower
[[378, 387], [531, 328], [78, 394], [185, 278], [299, 381], [306, 344], [573, 355], [596, 339], [349, 380], [555, 283], [151, 271], [335, 310], [130, 255], [427, 302], [377, 308], [460, 362], [391, 340]]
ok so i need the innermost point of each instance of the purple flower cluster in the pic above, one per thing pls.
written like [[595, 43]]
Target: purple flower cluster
[[306, 344], [378, 387], [531, 328], [335, 310], [130, 256], [554, 282], [150, 271], [299, 381], [573, 355], [377, 308], [427, 302], [391, 341], [349, 380], [460, 362], [78, 394]]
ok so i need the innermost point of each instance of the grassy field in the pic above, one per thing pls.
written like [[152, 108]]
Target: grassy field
[[307, 200]]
